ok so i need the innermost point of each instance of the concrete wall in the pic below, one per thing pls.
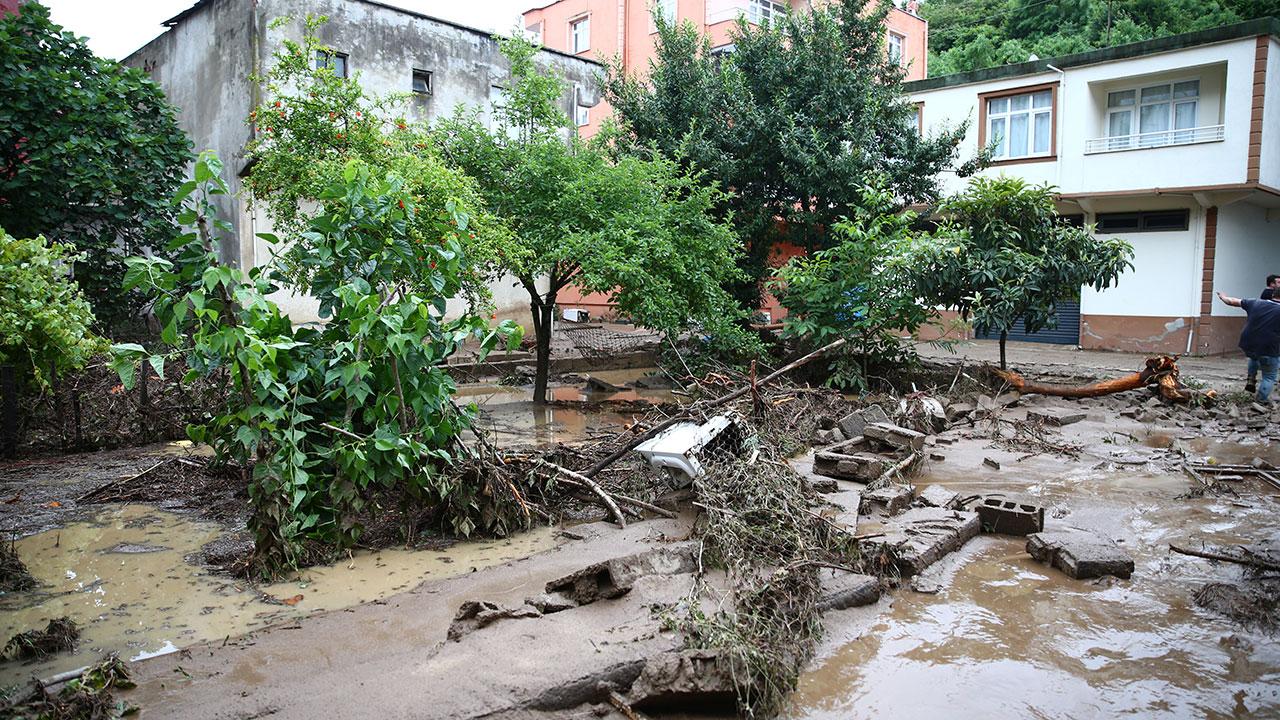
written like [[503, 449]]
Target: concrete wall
[[1269, 173], [1248, 250]]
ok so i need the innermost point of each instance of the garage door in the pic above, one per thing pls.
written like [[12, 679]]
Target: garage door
[[1067, 331]]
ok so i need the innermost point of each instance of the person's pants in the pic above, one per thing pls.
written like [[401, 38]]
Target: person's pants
[[1270, 366]]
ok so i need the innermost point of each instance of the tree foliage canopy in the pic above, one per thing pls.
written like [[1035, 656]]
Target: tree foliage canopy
[[974, 34], [90, 153], [802, 115]]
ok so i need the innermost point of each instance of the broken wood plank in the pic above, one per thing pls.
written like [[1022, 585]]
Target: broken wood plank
[[1263, 564]]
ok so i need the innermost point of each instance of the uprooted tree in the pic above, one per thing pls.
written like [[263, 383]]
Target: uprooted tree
[[1003, 254], [329, 420], [640, 230]]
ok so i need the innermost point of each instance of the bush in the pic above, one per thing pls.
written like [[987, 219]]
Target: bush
[[44, 318]]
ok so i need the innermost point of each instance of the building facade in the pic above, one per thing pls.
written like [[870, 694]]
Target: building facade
[[1172, 144], [624, 29], [205, 60]]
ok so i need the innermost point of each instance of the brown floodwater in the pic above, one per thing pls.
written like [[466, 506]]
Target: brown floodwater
[[1009, 637], [121, 575]]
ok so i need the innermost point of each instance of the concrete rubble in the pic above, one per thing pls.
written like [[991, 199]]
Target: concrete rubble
[[1009, 516], [615, 578], [842, 590], [1080, 554], [919, 537]]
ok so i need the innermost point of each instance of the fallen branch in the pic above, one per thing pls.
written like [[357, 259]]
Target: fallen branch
[[623, 707], [897, 467], [1261, 564], [117, 483], [1161, 371], [723, 400], [590, 485]]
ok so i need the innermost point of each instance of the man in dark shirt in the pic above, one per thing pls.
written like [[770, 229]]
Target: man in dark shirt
[[1273, 282], [1260, 340]]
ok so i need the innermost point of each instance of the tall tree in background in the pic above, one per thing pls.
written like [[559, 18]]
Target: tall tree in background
[[90, 153], [795, 121], [974, 34]]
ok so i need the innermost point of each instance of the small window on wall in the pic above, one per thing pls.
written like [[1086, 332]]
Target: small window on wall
[[422, 82], [1153, 221], [666, 9], [917, 120], [897, 48], [1020, 126], [333, 60], [1075, 220], [580, 35], [581, 113]]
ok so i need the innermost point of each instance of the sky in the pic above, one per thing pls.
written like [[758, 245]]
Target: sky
[[116, 29]]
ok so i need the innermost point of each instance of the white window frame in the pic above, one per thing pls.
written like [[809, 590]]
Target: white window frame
[[760, 10], [1007, 117], [669, 9], [581, 113], [1134, 139], [901, 57], [584, 22]]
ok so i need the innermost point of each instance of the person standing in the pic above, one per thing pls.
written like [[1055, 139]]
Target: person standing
[[1260, 341], [1273, 284]]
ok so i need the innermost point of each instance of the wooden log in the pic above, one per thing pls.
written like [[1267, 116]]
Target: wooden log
[[1263, 564], [1161, 370]]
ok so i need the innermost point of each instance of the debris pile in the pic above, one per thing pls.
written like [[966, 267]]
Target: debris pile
[[13, 573], [84, 693], [59, 635]]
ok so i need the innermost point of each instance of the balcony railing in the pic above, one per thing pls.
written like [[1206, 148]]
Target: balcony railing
[[1163, 138], [755, 11]]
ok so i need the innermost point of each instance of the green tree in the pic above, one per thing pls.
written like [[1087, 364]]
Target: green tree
[[640, 230], [1004, 254], [863, 289], [90, 153], [328, 419], [799, 118], [44, 319]]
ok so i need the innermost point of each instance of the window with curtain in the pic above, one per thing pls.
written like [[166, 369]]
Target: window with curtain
[[1144, 117], [1021, 126], [580, 35]]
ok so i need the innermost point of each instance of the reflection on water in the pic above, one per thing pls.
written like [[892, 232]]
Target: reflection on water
[[142, 604], [1009, 637]]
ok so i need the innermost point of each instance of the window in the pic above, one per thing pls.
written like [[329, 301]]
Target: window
[[1151, 221], [534, 33], [422, 82], [334, 60], [917, 120], [666, 9], [897, 48], [497, 99], [1144, 117], [581, 113], [1019, 125], [580, 35], [759, 11]]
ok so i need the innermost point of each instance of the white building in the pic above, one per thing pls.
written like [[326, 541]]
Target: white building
[[205, 60], [1173, 144]]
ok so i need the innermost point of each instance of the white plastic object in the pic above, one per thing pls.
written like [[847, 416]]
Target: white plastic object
[[675, 449]]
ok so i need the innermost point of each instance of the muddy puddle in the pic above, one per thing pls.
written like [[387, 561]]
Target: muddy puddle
[[122, 576], [1008, 637], [509, 414]]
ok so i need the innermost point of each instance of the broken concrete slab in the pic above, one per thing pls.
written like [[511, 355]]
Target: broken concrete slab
[[822, 485], [937, 496], [1080, 554], [847, 503], [959, 411], [895, 436], [1009, 516], [614, 578], [920, 537], [548, 603], [687, 680], [1055, 415], [854, 423], [596, 385], [476, 614], [890, 500], [842, 590], [860, 467]]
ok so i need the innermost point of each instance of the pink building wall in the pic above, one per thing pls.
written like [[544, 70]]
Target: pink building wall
[[9, 6]]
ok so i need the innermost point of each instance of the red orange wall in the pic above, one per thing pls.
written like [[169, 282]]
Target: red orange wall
[[8, 6]]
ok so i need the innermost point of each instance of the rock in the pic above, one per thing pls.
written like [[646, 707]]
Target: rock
[[685, 680], [654, 381], [895, 435], [891, 499], [986, 405], [824, 437], [475, 614], [959, 411], [937, 496], [860, 467], [1055, 416], [596, 385], [920, 537], [1008, 399], [1007, 516], [853, 424], [615, 578], [937, 457], [837, 435], [841, 590], [1080, 554], [822, 485], [1129, 412]]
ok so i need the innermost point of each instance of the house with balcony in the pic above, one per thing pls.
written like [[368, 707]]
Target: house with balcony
[[606, 29], [1172, 144]]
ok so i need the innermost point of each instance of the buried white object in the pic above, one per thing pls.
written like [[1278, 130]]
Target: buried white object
[[676, 449]]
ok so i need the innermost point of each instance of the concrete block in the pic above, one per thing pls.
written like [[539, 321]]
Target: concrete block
[[895, 435], [615, 578], [1009, 516], [847, 505], [841, 590], [891, 500], [936, 496], [854, 423], [683, 680], [920, 537], [1080, 554], [1055, 416]]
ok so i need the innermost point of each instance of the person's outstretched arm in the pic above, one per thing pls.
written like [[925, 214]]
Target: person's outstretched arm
[[1233, 302]]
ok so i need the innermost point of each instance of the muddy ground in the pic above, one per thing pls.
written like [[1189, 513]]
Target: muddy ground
[[985, 630]]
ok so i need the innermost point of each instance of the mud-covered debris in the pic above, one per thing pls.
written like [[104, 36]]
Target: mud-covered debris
[[896, 436], [847, 505], [689, 680], [596, 385], [920, 537], [1252, 604], [1055, 415], [549, 603], [476, 614], [89, 696], [1010, 516], [13, 573], [58, 636], [889, 500], [1080, 554], [937, 496], [821, 485], [841, 590], [615, 578], [853, 424]]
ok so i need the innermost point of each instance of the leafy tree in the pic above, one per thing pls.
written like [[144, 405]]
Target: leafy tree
[[44, 319], [328, 418], [639, 230], [864, 290], [1003, 254], [90, 153], [796, 121]]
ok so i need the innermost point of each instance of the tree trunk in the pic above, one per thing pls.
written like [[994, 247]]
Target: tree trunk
[[542, 311], [1004, 335]]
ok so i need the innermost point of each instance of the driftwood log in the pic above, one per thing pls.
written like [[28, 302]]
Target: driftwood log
[[1161, 371]]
